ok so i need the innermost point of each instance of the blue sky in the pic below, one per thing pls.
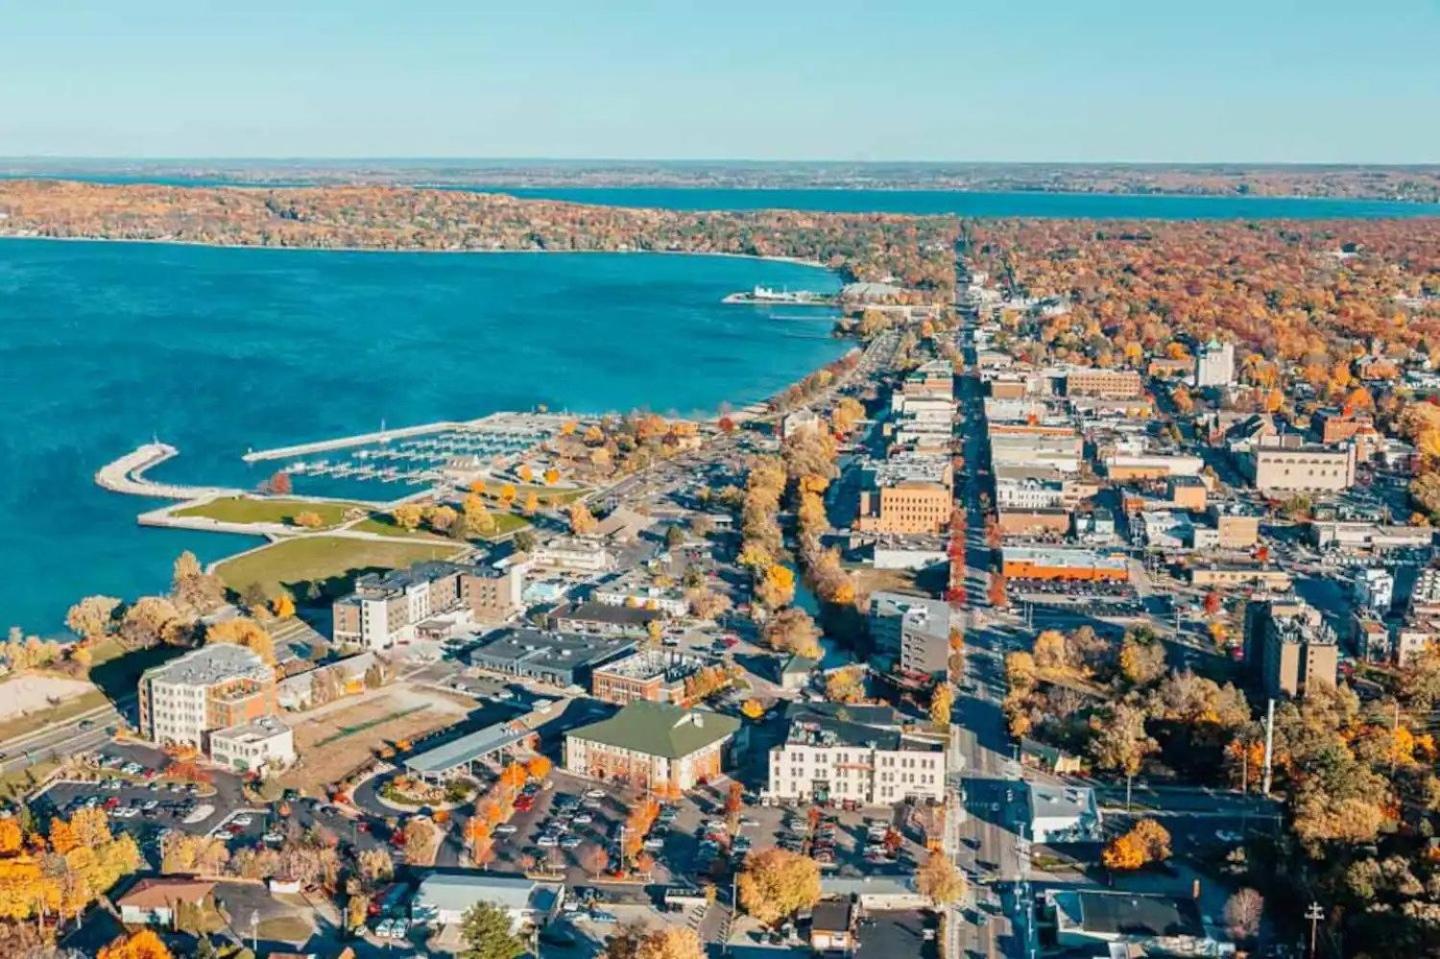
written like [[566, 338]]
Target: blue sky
[[1264, 80]]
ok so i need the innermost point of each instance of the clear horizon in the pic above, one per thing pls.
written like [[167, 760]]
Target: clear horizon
[[919, 81]]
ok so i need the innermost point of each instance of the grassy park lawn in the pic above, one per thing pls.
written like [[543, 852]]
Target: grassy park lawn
[[548, 495], [251, 509], [384, 525], [332, 561]]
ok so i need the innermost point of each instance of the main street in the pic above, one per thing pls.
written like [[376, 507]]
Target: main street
[[989, 844]]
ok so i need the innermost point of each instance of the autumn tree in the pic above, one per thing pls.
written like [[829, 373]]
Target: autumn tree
[[942, 701], [243, 631], [408, 516], [93, 617], [478, 520], [192, 588], [939, 881], [792, 630], [1243, 912], [776, 884], [1145, 843], [582, 521], [151, 620], [141, 944], [776, 586], [846, 685]]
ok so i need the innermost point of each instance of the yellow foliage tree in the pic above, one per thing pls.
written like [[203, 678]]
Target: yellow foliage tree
[[144, 944], [243, 631]]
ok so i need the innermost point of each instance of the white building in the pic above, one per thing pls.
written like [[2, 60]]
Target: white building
[[207, 688], [442, 900], [576, 554], [1374, 589], [1029, 493], [1215, 366], [1062, 813], [264, 742], [862, 754]]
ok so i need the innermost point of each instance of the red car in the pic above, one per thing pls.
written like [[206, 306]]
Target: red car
[[524, 803], [112, 803]]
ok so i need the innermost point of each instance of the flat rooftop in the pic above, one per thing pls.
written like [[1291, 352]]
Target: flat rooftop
[[543, 649], [210, 665]]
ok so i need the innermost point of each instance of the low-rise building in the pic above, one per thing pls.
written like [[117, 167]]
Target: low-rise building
[[913, 632], [1142, 924], [1374, 590], [1257, 575], [604, 619], [261, 743], [561, 659], [493, 596], [655, 675], [863, 754], [1081, 565], [657, 746], [833, 927], [210, 688], [444, 898], [636, 589], [156, 901], [1347, 535], [1051, 524], [1299, 468], [574, 554], [1059, 813], [1128, 467], [1237, 525], [1119, 384]]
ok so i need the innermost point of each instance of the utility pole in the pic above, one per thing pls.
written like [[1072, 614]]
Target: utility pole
[[1314, 914], [1269, 745]]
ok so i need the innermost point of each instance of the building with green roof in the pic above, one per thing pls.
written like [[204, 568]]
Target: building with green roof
[[658, 746]]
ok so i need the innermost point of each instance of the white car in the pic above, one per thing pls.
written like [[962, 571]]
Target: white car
[[242, 820], [547, 841], [505, 829], [594, 794], [583, 818]]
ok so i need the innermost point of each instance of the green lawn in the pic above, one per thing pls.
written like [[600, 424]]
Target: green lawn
[[331, 561], [548, 495], [250, 509], [384, 525]]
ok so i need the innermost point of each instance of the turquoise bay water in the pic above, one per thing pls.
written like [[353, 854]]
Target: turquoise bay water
[[104, 345]]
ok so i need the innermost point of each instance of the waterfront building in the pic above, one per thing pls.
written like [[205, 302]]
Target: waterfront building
[[385, 608], [213, 687]]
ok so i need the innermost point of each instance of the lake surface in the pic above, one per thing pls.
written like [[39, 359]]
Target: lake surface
[[106, 345]]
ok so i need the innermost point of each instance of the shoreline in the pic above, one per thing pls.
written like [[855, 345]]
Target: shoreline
[[154, 241]]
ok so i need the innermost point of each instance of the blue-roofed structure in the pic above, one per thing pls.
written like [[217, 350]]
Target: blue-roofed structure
[[449, 759]]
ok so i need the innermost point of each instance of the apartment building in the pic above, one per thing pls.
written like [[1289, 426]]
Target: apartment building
[[1292, 646], [493, 596], [1374, 590], [1299, 468], [1110, 384], [653, 675], [655, 746], [913, 632], [385, 608], [862, 754], [905, 494], [213, 687]]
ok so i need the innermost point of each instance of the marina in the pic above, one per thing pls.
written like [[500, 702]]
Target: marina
[[767, 296]]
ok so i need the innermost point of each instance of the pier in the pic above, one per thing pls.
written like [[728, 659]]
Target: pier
[[343, 442], [127, 475]]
